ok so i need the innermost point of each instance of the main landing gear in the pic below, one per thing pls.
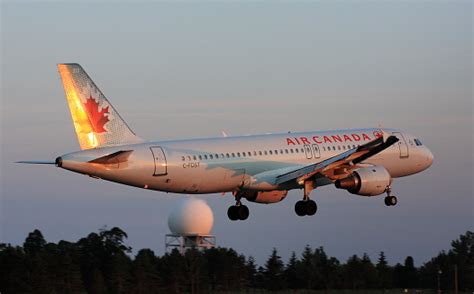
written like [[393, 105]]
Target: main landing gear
[[306, 206], [390, 200], [238, 211]]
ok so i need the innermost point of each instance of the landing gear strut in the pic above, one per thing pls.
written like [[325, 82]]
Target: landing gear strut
[[306, 206], [238, 211], [390, 200]]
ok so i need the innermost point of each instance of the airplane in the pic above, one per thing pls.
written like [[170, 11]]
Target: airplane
[[258, 168]]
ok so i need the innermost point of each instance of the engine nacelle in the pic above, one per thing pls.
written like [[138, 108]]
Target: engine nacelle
[[264, 197], [367, 181]]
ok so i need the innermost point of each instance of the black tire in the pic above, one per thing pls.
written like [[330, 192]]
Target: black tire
[[232, 213], [243, 212], [387, 201], [393, 200], [311, 207], [300, 208]]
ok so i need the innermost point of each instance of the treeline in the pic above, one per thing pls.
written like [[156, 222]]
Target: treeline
[[101, 263]]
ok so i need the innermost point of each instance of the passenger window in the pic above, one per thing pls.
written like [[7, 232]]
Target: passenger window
[[227, 155], [286, 151], [217, 156], [334, 148], [238, 154], [243, 154], [249, 153], [291, 150], [339, 147], [255, 153], [183, 158], [211, 156], [297, 150], [205, 156], [189, 157], [233, 154], [200, 157], [260, 153], [265, 152], [270, 152]]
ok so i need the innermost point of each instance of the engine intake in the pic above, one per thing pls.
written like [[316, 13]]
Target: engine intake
[[367, 181]]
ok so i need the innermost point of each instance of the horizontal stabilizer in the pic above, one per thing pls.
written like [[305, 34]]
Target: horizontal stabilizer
[[114, 158], [36, 162]]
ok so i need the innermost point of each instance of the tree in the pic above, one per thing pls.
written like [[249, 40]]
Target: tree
[[353, 273], [384, 275], [273, 275], [307, 268], [291, 273], [251, 270], [34, 243], [462, 254], [146, 277], [410, 274]]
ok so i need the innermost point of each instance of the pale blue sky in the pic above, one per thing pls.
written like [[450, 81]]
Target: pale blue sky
[[177, 70]]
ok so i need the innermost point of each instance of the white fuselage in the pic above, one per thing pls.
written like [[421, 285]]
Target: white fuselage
[[242, 163]]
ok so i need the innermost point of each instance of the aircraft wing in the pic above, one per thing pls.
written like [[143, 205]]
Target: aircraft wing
[[348, 158]]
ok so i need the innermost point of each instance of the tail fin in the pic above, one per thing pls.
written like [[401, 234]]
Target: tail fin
[[96, 121]]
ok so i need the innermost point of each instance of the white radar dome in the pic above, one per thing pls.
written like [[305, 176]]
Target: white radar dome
[[191, 217]]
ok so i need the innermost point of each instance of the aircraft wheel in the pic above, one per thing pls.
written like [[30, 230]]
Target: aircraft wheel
[[311, 207], [393, 200], [300, 208], [232, 213], [243, 212]]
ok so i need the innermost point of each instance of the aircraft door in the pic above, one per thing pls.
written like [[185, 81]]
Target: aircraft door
[[308, 151], [402, 144], [160, 161], [316, 151]]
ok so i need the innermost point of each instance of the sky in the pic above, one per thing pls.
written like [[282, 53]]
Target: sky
[[185, 70]]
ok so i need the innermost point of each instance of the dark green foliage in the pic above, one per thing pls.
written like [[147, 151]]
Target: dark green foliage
[[273, 274], [100, 263], [384, 272]]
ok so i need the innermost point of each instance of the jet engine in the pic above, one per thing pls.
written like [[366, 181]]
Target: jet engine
[[367, 181], [265, 197]]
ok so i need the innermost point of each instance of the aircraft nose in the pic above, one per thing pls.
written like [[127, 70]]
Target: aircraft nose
[[429, 157]]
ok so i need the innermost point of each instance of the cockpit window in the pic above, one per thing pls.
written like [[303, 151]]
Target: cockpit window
[[418, 142]]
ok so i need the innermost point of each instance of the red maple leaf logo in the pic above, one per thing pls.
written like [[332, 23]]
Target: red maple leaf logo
[[97, 117]]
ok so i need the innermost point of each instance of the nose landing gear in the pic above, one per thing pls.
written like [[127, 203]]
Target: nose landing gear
[[390, 200], [238, 211]]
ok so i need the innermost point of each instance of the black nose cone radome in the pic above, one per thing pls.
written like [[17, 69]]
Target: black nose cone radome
[[59, 162]]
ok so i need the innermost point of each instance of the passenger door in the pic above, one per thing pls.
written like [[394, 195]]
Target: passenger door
[[160, 161]]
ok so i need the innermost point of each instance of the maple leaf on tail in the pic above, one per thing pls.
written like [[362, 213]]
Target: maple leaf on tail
[[97, 117]]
